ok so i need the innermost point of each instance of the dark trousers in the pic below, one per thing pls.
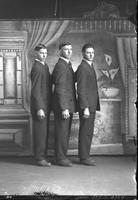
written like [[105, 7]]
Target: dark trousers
[[62, 135], [40, 130], [85, 135]]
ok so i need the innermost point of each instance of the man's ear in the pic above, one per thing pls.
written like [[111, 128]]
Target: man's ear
[[60, 52], [36, 54], [33, 54]]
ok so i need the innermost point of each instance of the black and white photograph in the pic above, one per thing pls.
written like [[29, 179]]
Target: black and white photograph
[[68, 93]]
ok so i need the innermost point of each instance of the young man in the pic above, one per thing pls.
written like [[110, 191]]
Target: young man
[[88, 103], [40, 104], [64, 102]]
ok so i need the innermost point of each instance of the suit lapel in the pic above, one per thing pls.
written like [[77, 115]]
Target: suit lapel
[[87, 66], [90, 69]]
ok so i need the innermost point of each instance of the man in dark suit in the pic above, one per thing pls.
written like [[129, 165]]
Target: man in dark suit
[[40, 104], [64, 102], [88, 103]]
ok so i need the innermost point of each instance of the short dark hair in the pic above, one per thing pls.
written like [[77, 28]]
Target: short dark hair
[[64, 44], [86, 46], [40, 46]]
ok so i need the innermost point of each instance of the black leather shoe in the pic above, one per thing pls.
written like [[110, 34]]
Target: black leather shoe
[[88, 162], [65, 163], [43, 163]]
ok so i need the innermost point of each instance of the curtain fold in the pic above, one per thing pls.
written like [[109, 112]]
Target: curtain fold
[[127, 49], [46, 32]]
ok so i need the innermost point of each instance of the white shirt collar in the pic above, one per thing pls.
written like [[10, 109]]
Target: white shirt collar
[[43, 63], [67, 60], [89, 62]]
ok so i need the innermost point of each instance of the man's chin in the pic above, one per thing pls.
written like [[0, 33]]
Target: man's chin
[[91, 60], [68, 57]]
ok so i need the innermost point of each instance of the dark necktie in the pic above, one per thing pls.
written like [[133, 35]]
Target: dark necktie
[[93, 70], [70, 66]]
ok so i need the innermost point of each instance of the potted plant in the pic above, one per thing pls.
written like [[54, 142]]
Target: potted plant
[[108, 84]]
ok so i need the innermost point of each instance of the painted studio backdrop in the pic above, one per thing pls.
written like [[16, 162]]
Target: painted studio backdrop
[[115, 65]]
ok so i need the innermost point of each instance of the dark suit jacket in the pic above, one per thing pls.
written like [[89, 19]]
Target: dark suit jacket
[[87, 89], [41, 88], [64, 95]]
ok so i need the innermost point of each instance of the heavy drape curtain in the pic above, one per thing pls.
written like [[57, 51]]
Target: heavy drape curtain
[[45, 32], [127, 49]]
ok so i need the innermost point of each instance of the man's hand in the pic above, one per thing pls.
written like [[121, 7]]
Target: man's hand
[[86, 113], [65, 114], [40, 114]]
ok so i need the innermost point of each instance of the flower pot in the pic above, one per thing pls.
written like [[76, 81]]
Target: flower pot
[[110, 92]]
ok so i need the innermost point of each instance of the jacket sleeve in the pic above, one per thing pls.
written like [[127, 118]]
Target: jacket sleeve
[[60, 82], [36, 78], [81, 87]]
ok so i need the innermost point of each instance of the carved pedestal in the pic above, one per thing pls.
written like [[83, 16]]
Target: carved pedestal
[[15, 137], [15, 121]]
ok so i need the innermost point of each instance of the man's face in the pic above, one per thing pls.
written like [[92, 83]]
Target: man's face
[[89, 54], [42, 54], [66, 51]]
